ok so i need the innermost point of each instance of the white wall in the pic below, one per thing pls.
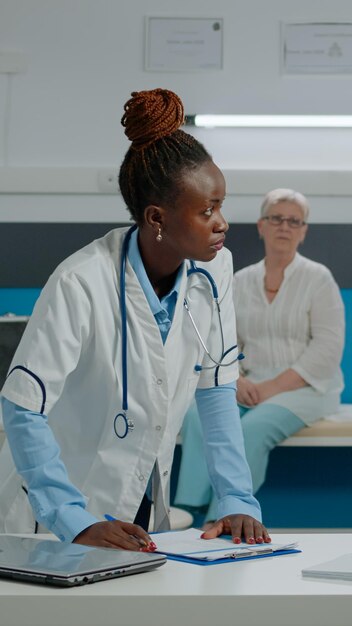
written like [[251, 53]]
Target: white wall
[[60, 132]]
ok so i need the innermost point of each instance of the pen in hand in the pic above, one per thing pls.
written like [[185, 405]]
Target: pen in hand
[[145, 546], [110, 518]]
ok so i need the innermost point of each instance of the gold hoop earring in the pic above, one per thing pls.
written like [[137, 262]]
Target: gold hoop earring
[[159, 236]]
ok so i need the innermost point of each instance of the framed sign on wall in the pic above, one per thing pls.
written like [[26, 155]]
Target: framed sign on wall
[[317, 48], [183, 44]]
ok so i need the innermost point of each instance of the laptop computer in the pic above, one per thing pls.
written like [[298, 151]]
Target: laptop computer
[[68, 564]]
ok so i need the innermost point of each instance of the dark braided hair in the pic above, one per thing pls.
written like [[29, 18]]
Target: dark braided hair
[[160, 153]]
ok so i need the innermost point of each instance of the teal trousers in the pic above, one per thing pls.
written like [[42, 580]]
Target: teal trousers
[[264, 427]]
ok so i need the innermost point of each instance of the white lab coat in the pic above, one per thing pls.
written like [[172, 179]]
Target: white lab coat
[[73, 345]]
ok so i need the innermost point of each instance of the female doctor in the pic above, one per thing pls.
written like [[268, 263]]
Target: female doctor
[[125, 332]]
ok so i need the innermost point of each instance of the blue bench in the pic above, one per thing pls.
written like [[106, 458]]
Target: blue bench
[[309, 482], [337, 429]]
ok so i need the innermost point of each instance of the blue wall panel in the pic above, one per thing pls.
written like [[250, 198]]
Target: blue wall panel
[[17, 300], [347, 354], [308, 488]]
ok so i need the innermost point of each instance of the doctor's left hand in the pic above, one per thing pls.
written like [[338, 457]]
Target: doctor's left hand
[[116, 534], [240, 527]]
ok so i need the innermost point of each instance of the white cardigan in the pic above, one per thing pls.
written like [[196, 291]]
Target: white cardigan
[[302, 329]]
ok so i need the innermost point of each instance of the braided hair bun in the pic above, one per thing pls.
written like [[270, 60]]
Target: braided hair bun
[[160, 154], [151, 115]]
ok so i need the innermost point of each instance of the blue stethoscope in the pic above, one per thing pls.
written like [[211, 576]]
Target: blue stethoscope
[[128, 423]]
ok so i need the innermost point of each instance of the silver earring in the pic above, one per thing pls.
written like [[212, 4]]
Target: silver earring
[[159, 236]]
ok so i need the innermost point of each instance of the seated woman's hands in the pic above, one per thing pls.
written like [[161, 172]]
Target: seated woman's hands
[[267, 389], [251, 394], [247, 392], [239, 526]]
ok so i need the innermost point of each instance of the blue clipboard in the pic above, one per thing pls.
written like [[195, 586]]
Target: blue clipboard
[[196, 558], [195, 561]]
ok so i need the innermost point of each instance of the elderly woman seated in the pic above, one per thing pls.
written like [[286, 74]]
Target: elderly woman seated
[[290, 327]]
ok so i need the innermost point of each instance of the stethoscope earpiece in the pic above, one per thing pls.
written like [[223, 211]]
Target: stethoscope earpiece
[[240, 356]]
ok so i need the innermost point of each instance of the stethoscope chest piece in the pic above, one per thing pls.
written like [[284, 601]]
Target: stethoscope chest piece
[[122, 425]]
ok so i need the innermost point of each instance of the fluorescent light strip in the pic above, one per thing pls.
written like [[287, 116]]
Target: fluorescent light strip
[[270, 121]]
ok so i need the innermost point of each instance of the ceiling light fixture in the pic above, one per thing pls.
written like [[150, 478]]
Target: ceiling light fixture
[[269, 121]]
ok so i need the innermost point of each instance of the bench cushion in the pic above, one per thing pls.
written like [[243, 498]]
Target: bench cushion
[[333, 430]]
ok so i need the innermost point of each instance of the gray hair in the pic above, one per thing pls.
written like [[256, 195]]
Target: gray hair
[[284, 195]]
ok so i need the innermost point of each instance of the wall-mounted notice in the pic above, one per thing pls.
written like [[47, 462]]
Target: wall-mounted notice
[[183, 44], [319, 48]]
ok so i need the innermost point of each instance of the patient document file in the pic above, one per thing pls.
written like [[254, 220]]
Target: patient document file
[[336, 569], [189, 545]]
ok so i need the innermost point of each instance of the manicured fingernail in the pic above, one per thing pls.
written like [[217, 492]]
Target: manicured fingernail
[[152, 545], [237, 540], [260, 539], [251, 540]]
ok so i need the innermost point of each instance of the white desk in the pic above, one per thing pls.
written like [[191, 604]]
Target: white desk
[[265, 592]]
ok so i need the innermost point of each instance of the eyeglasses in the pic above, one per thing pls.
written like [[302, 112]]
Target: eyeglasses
[[277, 220]]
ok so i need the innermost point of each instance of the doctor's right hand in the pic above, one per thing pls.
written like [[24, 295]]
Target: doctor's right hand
[[116, 534]]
